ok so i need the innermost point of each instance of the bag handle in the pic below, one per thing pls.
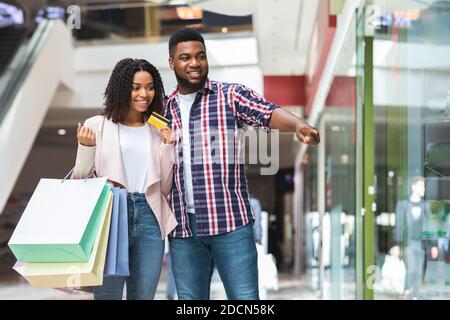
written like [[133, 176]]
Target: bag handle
[[85, 179]]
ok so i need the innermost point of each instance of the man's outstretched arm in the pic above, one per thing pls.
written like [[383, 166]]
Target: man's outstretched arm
[[287, 122]]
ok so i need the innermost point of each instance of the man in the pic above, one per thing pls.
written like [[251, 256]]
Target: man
[[410, 218], [210, 198], [257, 224]]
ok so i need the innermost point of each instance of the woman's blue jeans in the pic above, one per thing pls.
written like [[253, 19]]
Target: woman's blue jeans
[[146, 251]]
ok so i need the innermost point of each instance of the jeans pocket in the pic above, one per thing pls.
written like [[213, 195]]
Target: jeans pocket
[[147, 224]]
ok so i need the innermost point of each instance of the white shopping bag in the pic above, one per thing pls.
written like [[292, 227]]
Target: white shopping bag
[[61, 221], [72, 274], [393, 273], [267, 269]]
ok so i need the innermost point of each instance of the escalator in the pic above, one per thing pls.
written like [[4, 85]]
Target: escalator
[[11, 39], [32, 70]]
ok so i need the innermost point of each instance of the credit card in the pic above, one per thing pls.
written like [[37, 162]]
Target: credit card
[[158, 120]]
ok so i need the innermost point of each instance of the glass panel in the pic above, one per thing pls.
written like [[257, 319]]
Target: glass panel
[[339, 219], [309, 167], [339, 236], [332, 272], [412, 109], [138, 20], [360, 83]]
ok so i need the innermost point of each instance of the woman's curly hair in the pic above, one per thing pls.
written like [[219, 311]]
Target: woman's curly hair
[[117, 99]]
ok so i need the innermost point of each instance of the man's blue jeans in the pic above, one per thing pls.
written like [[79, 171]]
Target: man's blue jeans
[[234, 255], [146, 251]]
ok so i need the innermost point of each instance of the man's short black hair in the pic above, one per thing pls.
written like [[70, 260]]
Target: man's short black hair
[[183, 35]]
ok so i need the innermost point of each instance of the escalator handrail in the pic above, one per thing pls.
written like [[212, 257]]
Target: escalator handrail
[[22, 70]]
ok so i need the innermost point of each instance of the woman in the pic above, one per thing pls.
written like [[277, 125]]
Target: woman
[[122, 146]]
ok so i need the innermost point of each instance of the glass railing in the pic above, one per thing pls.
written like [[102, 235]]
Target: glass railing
[[125, 21], [17, 70]]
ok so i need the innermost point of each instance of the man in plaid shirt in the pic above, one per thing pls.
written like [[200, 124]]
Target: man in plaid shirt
[[210, 196]]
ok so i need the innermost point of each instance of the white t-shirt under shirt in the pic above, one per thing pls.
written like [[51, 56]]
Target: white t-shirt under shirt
[[186, 102], [135, 147]]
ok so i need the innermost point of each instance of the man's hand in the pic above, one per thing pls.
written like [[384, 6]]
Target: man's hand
[[85, 136], [307, 134], [434, 253], [395, 251], [285, 121]]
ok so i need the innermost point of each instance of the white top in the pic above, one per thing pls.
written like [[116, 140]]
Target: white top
[[186, 102], [135, 148]]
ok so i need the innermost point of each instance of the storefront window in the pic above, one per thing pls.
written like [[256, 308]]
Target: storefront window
[[411, 90], [332, 265]]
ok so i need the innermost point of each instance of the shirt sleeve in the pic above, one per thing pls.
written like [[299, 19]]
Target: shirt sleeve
[[85, 161], [251, 108]]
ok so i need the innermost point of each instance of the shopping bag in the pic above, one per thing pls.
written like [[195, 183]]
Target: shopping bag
[[393, 273], [267, 269], [117, 263], [60, 221], [123, 251], [73, 274], [111, 251]]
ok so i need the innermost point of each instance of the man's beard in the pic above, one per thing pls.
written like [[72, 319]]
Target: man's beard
[[192, 87]]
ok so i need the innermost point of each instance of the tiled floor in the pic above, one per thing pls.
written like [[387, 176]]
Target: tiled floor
[[15, 288]]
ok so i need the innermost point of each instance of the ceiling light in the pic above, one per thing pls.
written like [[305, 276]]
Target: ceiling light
[[189, 13]]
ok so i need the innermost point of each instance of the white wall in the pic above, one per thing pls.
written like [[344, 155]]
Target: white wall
[[93, 66], [411, 55], [412, 88], [422, 68]]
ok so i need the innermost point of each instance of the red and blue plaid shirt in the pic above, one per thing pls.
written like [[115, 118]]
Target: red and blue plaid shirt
[[219, 183]]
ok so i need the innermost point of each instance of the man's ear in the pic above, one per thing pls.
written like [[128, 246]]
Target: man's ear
[[171, 62]]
